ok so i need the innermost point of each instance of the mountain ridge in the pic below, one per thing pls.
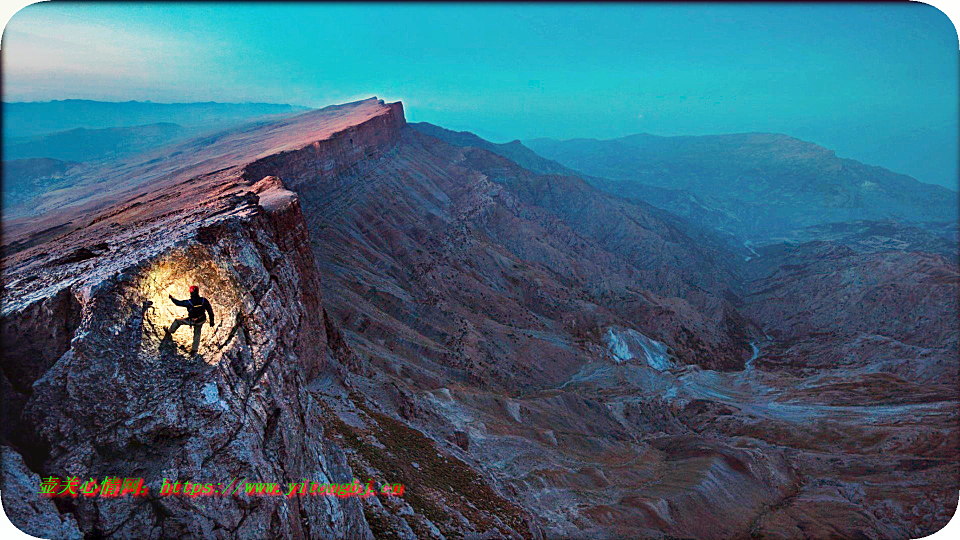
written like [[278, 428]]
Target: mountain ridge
[[530, 356], [752, 184]]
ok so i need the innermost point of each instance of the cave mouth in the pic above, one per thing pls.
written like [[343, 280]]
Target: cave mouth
[[172, 275]]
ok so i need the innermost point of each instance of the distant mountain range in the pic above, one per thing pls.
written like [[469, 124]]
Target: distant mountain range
[[21, 119], [24, 179], [44, 143], [753, 184], [82, 144]]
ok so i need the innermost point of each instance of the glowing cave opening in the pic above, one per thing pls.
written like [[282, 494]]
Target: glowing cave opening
[[173, 275]]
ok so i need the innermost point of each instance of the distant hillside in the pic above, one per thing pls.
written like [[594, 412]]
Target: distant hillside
[[703, 223], [82, 144], [24, 179], [754, 184], [880, 236], [34, 118]]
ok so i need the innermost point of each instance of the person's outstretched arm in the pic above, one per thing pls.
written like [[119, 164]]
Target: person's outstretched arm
[[206, 305], [181, 303]]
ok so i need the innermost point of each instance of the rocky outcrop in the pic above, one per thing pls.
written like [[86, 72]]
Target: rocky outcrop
[[359, 145], [110, 397], [93, 389], [25, 507]]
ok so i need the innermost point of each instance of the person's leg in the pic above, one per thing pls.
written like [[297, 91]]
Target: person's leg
[[196, 337], [176, 324]]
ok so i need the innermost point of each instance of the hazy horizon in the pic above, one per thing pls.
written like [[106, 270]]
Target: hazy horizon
[[875, 83], [412, 326]]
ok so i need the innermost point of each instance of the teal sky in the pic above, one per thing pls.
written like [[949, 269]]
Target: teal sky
[[875, 82]]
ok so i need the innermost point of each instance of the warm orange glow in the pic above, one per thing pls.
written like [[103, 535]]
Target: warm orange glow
[[172, 276], [163, 280]]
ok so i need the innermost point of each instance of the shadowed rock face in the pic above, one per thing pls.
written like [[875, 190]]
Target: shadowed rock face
[[469, 261], [22, 506], [528, 356]]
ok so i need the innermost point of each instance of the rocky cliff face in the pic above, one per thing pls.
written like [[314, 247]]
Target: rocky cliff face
[[96, 393], [505, 314], [464, 247], [355, 146], [92, 389]]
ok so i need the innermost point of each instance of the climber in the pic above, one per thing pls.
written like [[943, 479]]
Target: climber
[[198, 307]]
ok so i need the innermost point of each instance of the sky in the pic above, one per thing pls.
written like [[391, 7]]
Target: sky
[[875, 82]]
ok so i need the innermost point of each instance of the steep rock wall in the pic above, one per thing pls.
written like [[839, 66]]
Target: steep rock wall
[[122, 402], [356, 146]]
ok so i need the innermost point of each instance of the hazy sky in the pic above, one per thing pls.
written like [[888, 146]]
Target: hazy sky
[[877, 82]]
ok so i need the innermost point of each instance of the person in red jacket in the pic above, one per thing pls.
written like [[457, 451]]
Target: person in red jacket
[[198, 307]]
